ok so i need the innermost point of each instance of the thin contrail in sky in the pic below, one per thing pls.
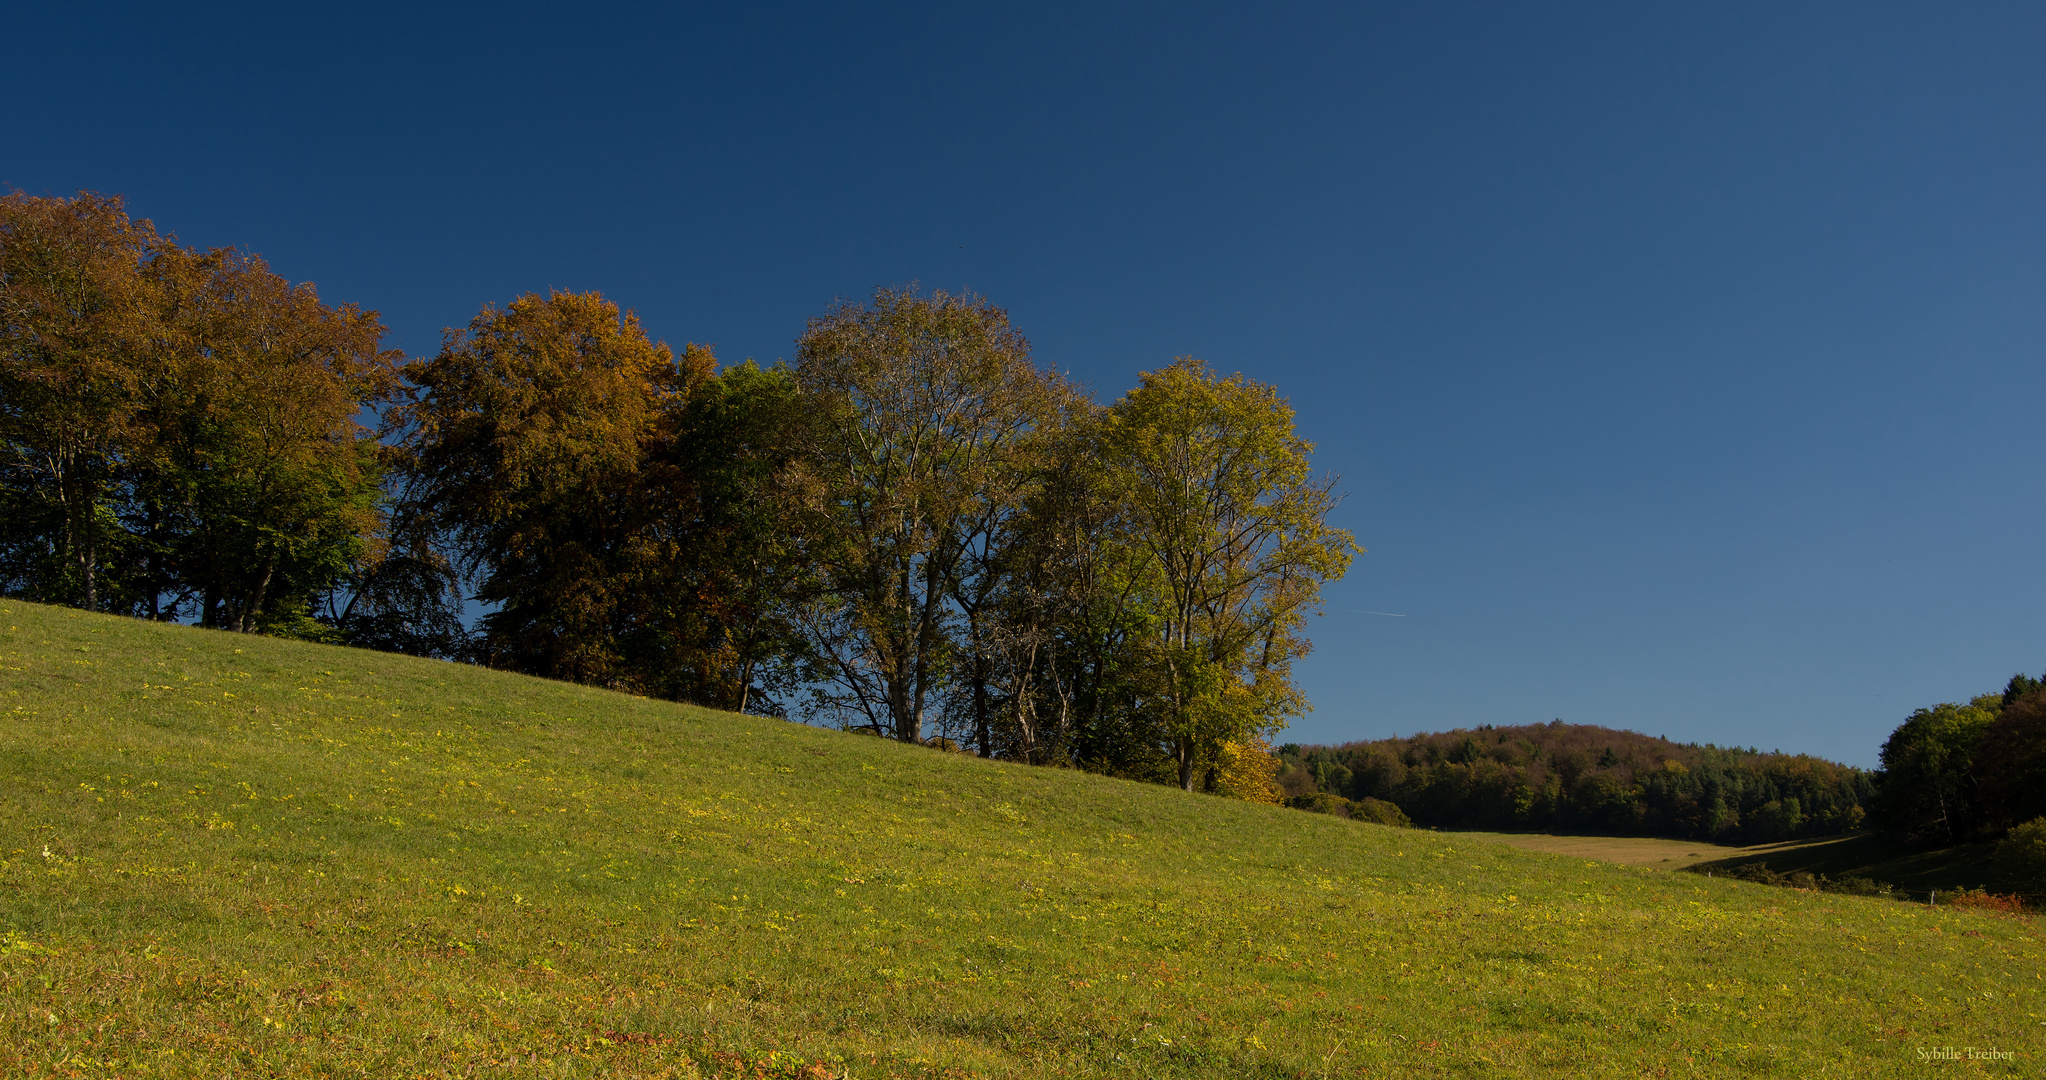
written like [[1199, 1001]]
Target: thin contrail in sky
[[1394, 614]]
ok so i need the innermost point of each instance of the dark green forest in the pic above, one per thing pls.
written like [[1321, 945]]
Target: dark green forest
[[1558, 777]]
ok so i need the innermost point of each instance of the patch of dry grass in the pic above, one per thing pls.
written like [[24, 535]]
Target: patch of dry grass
[[1648, 851]]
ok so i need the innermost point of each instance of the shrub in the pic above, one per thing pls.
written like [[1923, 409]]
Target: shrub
[[1761, 874], [1856, 885], [1321, 802], [1248, 771], [2021, 857], [1984, 901], [1380, 811]]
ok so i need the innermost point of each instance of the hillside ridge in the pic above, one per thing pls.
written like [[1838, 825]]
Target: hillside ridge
[[228, 854]]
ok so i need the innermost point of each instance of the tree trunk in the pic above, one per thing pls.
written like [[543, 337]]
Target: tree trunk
[[981, 727], [900, 706], [899, 709], [153, 563], [88, 557], [77, 497], [246, 621]]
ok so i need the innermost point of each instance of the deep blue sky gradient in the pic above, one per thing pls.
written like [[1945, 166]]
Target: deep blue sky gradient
[[1683, 366]]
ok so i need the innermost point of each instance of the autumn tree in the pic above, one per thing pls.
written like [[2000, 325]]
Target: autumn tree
[[408, 600], [1118, 726], [1022, 581], [75, 304], [733, 572], [177, 428], [924, 415], [2010, 760], [1233, 524], [258, 488], [524, 446], [1065, 609]]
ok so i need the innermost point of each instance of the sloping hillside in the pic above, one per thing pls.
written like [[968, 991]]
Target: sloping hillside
[[233, 855]]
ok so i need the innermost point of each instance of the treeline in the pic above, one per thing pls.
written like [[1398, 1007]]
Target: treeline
[[913, 529], [1581, 778], [1955, 773]]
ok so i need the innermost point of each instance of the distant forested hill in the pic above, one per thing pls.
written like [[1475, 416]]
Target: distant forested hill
[[1583, 778]]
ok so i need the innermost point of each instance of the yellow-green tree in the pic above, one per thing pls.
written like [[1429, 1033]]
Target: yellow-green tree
[[1248, 771], [1232, 522]]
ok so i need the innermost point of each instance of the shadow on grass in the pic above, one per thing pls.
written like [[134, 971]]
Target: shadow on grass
[[1867, 855]]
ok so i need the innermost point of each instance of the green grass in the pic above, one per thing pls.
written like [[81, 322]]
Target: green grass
[[223, 855]]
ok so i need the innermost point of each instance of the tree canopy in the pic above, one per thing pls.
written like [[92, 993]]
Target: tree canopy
[[926, 420], [525, 451], [1960, 772], [1232, 527]]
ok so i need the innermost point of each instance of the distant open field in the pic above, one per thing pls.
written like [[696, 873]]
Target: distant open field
[[235, 856], [1645, 851]]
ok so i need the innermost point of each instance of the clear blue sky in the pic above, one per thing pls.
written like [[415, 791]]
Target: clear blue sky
[[1683, 364]]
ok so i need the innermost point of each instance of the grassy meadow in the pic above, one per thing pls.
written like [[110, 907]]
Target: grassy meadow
[[228, 855]]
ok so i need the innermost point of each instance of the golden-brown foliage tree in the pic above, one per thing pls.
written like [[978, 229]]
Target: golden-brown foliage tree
[[524, 448], [75, 309]]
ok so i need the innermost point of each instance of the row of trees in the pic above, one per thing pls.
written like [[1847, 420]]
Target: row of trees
[[912, 530], [1583, 778], [1959, 772]]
